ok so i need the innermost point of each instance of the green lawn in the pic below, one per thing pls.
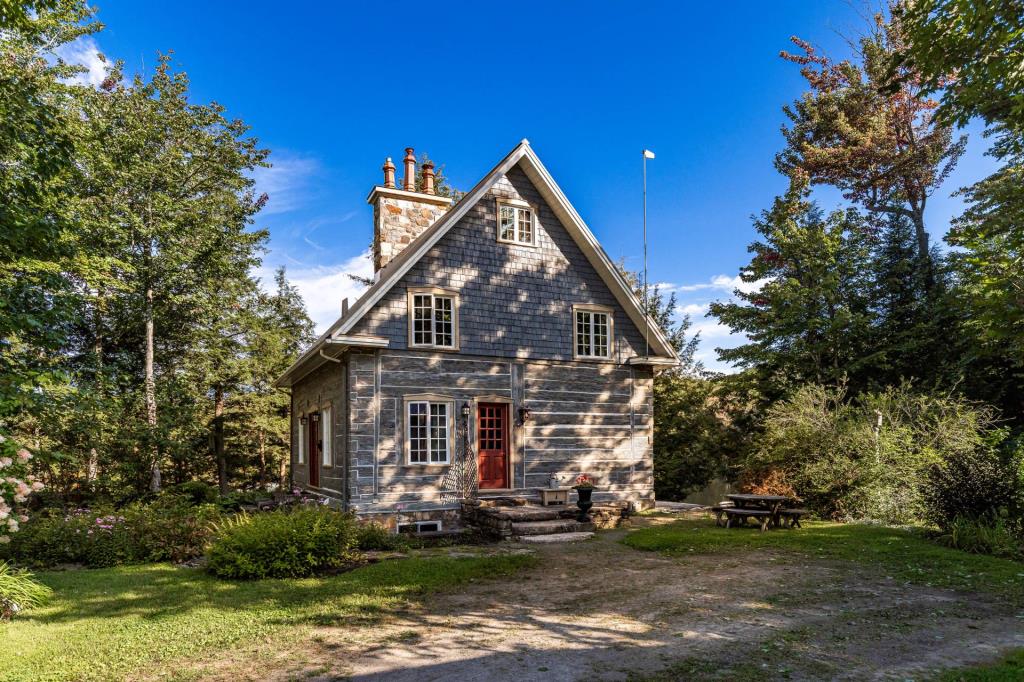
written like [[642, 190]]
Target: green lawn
[[902, 554], [1010, 669], [114, 623]]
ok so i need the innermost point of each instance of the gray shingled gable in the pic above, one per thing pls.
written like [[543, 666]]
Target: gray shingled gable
[[515, 301]]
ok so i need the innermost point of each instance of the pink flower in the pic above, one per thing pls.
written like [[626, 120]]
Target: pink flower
[[24, 455], [22, 518], [36, 485]]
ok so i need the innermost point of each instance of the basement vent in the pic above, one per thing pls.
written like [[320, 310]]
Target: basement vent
[[420, 527]]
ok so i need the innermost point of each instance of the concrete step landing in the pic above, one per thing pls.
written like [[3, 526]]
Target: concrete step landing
[[553, 538], [549, 527]]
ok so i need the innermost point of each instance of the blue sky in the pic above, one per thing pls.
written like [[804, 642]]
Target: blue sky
[[333, 88]]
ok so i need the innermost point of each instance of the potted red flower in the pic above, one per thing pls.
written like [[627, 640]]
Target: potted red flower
[[584, 489]]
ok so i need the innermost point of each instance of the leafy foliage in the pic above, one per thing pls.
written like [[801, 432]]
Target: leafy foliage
[[996, 536], [969, 52], [284, 544], [870, 457], [881, 146], [975, 483], [809, 320], [19, 591], [164, 531]]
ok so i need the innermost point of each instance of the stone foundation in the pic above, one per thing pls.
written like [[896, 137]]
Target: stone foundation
[[495, 517]]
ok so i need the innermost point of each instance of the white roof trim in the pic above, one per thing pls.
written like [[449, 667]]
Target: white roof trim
[[315, 353], [393, 272]]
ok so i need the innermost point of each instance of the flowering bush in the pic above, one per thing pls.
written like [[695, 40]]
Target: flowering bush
[[584, 481], [16, 484], [162, 531]]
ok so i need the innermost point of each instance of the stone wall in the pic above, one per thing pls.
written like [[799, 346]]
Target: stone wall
[[593, 418], [322, 388], [400, 217]]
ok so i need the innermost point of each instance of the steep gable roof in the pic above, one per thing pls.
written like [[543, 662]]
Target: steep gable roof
[[338, 335]]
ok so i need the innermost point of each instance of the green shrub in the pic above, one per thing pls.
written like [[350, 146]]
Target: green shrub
[[976, 483], [195, 492], [19, 591], [167, 530], [283, 544], [233, 501], [828, 448], [993, 535], [374, 536]]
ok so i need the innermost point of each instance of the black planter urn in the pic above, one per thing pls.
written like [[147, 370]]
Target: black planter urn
[[584, 503]]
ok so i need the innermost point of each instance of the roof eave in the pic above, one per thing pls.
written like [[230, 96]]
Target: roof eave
[[315, 356]]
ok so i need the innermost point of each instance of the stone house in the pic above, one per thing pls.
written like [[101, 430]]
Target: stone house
[[498, 347]]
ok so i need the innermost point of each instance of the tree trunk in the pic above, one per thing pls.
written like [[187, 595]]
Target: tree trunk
[[282, 473], [261, 438], [92, 469], [154, 453], [924, 254], [218, 439]]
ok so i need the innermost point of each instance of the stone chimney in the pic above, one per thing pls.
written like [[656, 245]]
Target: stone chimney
[[402, 215]]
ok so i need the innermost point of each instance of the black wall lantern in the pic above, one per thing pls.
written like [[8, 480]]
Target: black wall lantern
[[465, 410], [302, 420], [524, 415]]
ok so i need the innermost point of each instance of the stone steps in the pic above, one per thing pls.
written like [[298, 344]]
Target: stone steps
[[554, 538], [549, 527]]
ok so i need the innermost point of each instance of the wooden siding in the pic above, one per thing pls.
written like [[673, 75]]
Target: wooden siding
[[585, 418]]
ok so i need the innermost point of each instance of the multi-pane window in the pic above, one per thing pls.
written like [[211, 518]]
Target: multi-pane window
[[325, 420], [433, 320], [428, 432], [515, 224], [592, 333]]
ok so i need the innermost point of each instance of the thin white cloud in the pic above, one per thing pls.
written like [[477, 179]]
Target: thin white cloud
[[694, 309], [323, 287], [695, 300], [85, 52], [723, 283], [286, 182]]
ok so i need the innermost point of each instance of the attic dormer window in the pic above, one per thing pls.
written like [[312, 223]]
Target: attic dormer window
[[433, 319], [516, 222]]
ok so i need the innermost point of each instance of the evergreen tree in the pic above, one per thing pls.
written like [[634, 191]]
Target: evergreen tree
[[172, 179], [810, 319], [911, 338]]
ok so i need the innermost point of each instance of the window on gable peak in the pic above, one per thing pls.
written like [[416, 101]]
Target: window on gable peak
[[433, 321], [516, 224]]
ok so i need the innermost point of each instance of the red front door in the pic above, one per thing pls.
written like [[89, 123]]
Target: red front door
[[315, 444], [492, 444]]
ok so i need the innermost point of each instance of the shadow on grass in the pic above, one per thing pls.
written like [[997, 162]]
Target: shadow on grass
[[904, 554], [161, 591]]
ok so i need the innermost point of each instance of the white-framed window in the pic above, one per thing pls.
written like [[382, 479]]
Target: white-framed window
[[516, 223], [301, 453], [428, 431], [327, 431], [592, 331], [433, 319]]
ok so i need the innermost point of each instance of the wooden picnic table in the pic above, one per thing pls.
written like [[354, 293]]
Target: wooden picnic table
[[770, 503]]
